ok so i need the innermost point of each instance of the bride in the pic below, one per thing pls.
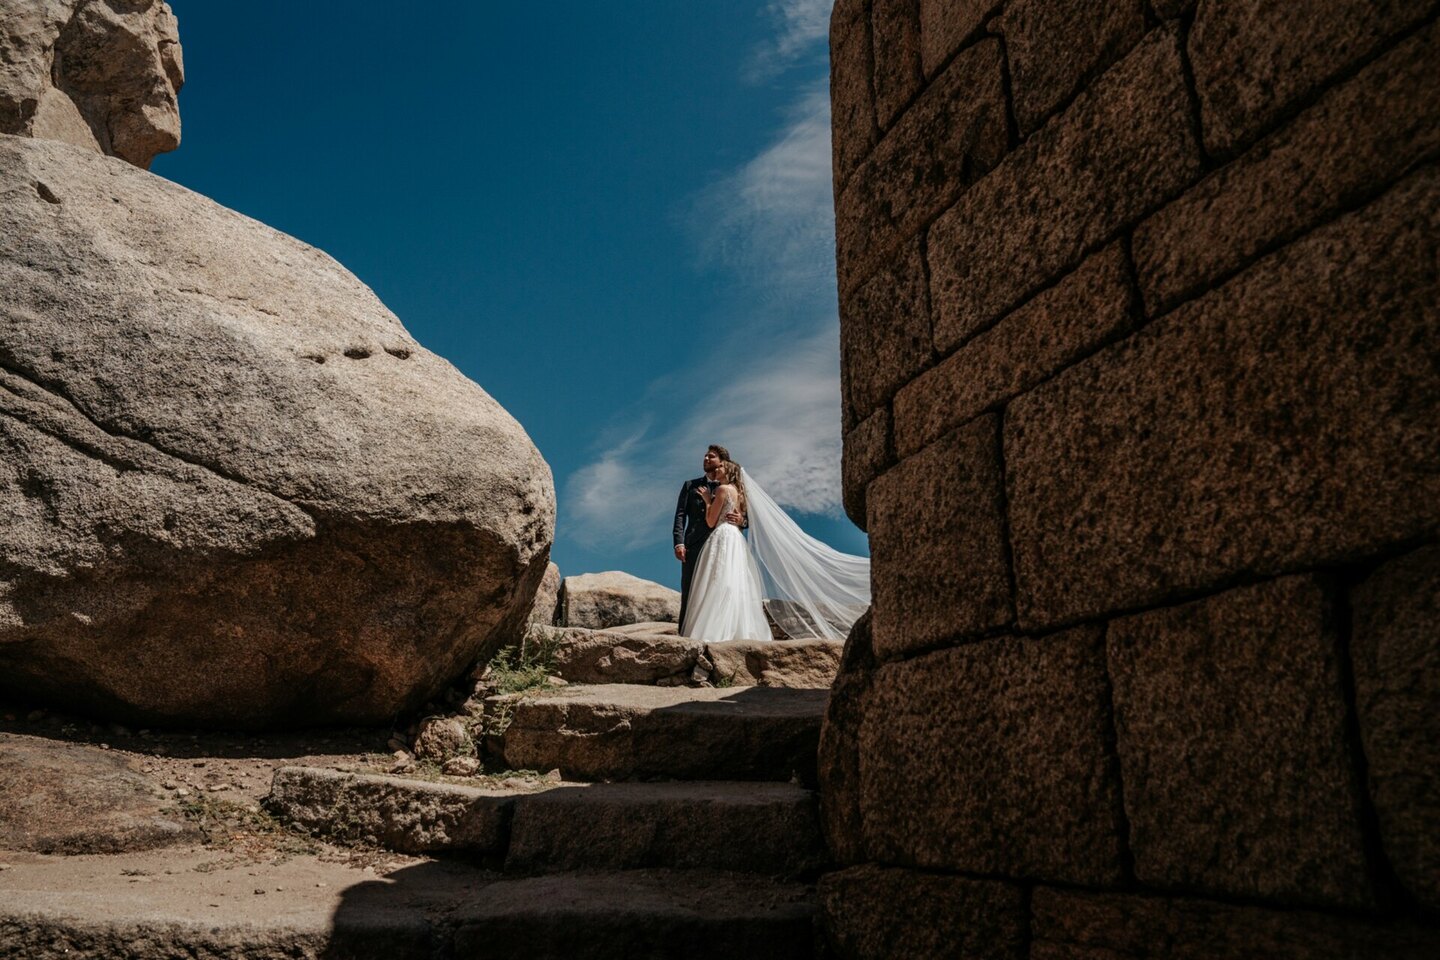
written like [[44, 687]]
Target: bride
[[808, 589]]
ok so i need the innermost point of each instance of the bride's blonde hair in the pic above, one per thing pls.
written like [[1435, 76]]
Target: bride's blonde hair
[[732, 475]]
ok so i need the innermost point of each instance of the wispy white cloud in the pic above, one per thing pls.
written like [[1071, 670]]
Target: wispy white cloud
[[775, 405], [799, 26], [772, 389], [773, 220]]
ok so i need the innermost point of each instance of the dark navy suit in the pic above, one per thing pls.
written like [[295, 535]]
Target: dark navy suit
[[691, 530]]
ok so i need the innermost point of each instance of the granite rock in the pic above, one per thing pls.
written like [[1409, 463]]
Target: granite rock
[[875, 913], [70, 798], [1357, 138], [1078, 925], [1121, 149], [992, 758], [1059, 326], [1254, 61], [98, 75], [1231, 726], [1396, 650], [236, 490], [1230, 437], [614, 598], [947, 140], [1054, 47], [938, 558]]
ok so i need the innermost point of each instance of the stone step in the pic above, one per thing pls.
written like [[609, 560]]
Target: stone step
[[560, 827], [181, 902], [635, 915], [609, 656], [766, 828], [627, 732], [398, 813], [804, 664], [635, 655]]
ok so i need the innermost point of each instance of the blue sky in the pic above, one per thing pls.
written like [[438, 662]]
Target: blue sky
[[615, 217]]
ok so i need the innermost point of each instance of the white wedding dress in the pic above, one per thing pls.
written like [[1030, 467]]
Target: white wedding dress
[[808, 588], [725, 599]]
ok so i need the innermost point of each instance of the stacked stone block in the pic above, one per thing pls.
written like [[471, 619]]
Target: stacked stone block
[[1140, 330]]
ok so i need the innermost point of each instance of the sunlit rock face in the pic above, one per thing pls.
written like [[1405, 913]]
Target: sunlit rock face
[[235, 489], [99, 74]]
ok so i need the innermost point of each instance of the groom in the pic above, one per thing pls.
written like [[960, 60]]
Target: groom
[[691, 530]]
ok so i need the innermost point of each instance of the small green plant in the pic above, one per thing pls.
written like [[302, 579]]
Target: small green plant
[[251, 830], [723, 680], [523, 667]]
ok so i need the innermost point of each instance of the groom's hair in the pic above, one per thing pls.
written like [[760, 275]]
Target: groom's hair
[[720, 451]]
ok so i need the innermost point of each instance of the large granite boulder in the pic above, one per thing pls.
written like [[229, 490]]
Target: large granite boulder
[[100, 74], [613, 598], [235, 490]]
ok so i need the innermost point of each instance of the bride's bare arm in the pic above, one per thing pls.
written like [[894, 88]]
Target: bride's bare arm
[[713, 506]]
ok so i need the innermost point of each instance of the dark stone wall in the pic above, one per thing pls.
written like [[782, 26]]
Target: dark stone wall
[[1140, 336]]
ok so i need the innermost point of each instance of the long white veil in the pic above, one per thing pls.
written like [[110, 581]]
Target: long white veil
[[811, 589]]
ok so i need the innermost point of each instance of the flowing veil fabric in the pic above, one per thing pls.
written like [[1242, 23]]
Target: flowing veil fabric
[[811, 589]]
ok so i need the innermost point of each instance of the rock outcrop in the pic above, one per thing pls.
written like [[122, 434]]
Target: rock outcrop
[[235, 489], [547, 598], [99, 74], [70, 798], [613, 598]]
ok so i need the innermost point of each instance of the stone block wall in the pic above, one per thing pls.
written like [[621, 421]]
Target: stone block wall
[[1140, 332]]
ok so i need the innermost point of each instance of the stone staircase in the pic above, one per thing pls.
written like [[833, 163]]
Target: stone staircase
[[684, 820]]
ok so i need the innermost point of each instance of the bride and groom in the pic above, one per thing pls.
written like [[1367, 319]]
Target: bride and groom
[[730, 581]]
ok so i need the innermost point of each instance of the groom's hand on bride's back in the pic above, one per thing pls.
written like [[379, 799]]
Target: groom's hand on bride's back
[[680, 552], [736, 518]]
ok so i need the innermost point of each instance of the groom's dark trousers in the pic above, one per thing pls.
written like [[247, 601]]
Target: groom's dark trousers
[[691, 530]]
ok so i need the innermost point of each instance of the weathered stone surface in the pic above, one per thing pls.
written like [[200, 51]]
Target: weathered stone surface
[[839, 754], [101, 76], [763, 828], [937, 543], [601, 656], [1231, 726], [1358, 137], [991, 758], [638, 915], [655, 628], [203, 521], [1397, 680], [875, 913], [1254, 60], [1074, 925], [948, 139], [852, 105], [600, 600], [884, 333], [946, 24], [66, 798], [440, 738], [628, 732], [867, 455], [412, 816], [1053, 47], [187, 902], [1170, 9], [895, 25], [1059, 326], [776, 663], [1120, 150], [1230, 436], [547, 598]]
